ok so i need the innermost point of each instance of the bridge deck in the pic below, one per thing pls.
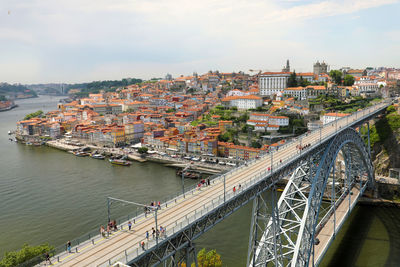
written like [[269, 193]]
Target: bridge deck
[[330, 229], [123, 245]]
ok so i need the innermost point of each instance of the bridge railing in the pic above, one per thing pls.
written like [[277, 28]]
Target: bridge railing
[[94, 236], [186, 220]]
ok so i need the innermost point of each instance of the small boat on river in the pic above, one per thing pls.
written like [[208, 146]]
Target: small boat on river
[[120, 162], [98, 156], [81, 154], [187, 174]]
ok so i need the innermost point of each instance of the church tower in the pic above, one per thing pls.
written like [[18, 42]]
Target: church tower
[[287, 68]]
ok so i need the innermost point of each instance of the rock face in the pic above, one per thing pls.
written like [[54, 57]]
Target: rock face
[[386, 153]]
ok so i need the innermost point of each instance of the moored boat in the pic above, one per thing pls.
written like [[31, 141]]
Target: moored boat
[[120, 162], [81, 154], [187, 174], [98, 156]]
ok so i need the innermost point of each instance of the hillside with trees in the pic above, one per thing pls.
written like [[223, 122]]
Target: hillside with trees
[[16, 91], [84, 89]]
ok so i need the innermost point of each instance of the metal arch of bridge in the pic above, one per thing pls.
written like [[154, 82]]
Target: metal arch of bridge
[[289, 229], [170, 247]]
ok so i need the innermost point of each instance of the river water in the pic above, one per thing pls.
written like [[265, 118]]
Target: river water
[[51, 196]]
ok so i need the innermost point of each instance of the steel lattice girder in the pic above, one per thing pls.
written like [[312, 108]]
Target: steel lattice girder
[[173, 243], [297, 214]]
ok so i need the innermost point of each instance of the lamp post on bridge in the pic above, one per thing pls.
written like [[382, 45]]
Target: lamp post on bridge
[[183, 179], [154, 208]]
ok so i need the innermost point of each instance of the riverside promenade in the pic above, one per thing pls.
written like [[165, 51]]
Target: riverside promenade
[[201, 167]]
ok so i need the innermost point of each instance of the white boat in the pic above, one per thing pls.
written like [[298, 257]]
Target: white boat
[[98, 156]]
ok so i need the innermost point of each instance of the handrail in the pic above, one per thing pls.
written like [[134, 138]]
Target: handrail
[[92, 237]]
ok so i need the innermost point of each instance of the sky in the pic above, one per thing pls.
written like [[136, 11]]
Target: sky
[[70, 41]]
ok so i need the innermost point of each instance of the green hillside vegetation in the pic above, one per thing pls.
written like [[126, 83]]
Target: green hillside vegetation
[[384, 127], [330, 102], [96, 86], [14, 258], [15, 89]]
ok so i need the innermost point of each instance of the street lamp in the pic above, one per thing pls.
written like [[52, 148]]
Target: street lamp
[[154, 208], [183, 178]]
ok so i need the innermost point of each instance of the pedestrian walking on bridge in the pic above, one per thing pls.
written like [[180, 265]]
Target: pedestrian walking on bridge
[[69, 246]]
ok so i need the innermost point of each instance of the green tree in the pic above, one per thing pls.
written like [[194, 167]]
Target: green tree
[[14, 258], [390, 109], [303, 82], [208, 259], [34, 115], [143, 150], [224, 137], [336, 76], [256, 144], [292, 81], [244, 117], [190, 91], [348, 80]]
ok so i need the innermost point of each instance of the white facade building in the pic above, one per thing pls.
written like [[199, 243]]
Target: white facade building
[[270, 83], [329, 117], [259, 117], [243, 102], [363, 87], [279, 120], [299, 92]]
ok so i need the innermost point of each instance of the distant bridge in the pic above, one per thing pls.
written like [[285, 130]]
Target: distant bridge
[[326, 178]]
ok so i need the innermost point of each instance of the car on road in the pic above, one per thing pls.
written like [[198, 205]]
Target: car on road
[[195, 159]]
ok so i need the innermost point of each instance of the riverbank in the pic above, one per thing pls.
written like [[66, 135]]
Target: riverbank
[[131, 155], [7, 107]]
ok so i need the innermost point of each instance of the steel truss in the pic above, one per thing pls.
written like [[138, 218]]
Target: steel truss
[[179, 241], [288, 228], [315, 157]]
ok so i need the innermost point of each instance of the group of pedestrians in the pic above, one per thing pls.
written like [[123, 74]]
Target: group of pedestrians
[[237, 188], [111, 226], [153, 205], [299, 147], [155, 233], [203, 182]]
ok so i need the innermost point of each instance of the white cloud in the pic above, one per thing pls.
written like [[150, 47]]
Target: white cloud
[[97, 36]]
